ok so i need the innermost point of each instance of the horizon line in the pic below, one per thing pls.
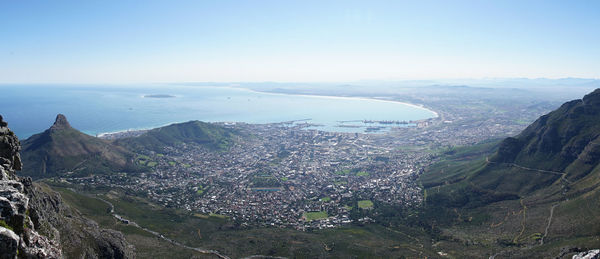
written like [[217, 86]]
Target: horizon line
[[304, 82]]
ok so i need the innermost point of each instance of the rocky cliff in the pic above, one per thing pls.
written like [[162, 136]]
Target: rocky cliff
[[35, 223]]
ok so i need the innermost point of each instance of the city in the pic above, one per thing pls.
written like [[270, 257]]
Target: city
[[288, 175]]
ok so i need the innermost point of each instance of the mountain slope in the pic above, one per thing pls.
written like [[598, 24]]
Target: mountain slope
[[555, 152], [535, 194], [64, 150], [565, 141], [35, 223], [211, 136]]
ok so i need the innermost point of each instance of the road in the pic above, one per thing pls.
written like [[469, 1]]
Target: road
[[562, 174]]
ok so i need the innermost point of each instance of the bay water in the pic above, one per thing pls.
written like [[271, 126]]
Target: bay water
[[97, 109]]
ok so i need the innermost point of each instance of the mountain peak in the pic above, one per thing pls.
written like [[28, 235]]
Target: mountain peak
[[62, 149], [592, 98], [61, 122]]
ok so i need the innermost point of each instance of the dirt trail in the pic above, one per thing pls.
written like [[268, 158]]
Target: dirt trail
[[549, 222], [516, 239]]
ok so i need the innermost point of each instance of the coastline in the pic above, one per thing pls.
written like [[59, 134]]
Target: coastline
[[436, 115], [134, 130], [104, 134]]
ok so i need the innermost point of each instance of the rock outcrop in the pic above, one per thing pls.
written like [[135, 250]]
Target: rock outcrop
[[79, 237], [35, 223], [591, 254], [18, 234], [61, 122]]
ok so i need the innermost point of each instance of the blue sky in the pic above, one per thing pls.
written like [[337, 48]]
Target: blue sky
[[176, 41]]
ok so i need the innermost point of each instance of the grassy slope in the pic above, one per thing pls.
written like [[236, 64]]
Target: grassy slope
[[212, 136], [214, 233], [56, 152], [449, 183], [147, 245], [566, 140], [549, 157], [500, 200], [489, 223]]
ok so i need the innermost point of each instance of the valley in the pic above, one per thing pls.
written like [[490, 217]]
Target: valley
[[275, 176], [215, 189], [299, 129]]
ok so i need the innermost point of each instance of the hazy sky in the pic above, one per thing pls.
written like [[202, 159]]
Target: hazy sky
[[126, 41]]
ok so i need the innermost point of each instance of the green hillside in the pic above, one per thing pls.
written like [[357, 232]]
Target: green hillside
[[62, 150], [564, 143], [533, 194], [198, 230], [552, 155], [210, 135]]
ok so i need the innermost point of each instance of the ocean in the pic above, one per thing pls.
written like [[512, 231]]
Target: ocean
[[97, 109]]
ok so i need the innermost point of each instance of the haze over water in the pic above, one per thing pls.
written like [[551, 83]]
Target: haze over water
[[31, 109]]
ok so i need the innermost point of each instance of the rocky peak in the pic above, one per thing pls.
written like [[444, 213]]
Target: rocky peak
[[61, 122]]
